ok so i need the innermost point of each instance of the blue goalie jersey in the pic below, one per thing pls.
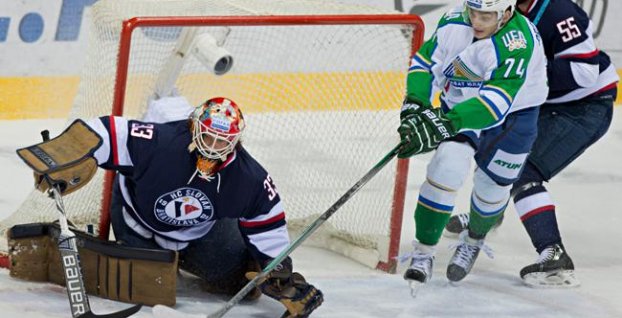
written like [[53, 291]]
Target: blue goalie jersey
[[165, 198]]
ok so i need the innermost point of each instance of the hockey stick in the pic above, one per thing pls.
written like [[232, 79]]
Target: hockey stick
[[307, 232], [78, 300]]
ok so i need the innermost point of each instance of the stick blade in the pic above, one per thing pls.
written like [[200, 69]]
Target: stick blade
[[119, 314]]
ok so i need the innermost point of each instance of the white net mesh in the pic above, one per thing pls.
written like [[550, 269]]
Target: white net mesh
[[321, 104]]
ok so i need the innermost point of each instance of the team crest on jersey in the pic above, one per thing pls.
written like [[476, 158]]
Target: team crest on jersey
[[514, 40], [459, 75], [184, 207]]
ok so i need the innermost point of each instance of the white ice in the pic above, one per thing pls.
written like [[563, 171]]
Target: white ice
[[589, 214]]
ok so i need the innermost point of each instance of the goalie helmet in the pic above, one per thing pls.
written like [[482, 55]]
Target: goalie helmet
[[498, 6], [217, 126]]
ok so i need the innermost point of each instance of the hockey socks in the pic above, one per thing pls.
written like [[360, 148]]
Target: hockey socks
[[430, 219], [537, 212]]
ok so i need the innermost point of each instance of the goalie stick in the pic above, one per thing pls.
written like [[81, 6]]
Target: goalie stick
[[78, 300], [163, 311]]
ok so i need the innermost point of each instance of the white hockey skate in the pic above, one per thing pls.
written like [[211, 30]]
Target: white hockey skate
[[554, 269], [420, 270], [467, 250]]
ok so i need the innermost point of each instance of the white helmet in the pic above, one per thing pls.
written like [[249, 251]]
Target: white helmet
[[498, 6]]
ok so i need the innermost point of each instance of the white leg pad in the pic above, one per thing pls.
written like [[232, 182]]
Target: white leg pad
[[450, 165], [489, 196]]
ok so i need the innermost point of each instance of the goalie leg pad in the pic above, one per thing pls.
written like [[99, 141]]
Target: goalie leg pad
[[67, 159], [110, 271]]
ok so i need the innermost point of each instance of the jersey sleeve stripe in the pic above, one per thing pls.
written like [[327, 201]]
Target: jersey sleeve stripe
[[416, 69], [492, 109], [585, 47], [580, 55], [253, 223], [271, 242], [507, 97], [113, 141], [119, 131], [276, 209], [102, 154], [422, 61]]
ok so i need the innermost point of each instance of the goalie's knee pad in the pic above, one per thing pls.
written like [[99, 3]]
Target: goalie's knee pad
[[488, 195], [450, 165]]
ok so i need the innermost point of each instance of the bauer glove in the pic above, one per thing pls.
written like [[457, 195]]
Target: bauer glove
[[423, 132], [291, 289], [410, 108]]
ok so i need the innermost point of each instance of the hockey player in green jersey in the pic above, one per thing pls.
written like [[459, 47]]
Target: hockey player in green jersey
[[488, 62]]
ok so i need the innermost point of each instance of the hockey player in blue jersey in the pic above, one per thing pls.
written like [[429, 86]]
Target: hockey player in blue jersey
[[190, 186], [578, 111]]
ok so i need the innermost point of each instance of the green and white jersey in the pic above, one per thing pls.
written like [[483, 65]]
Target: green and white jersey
[[481, 81]]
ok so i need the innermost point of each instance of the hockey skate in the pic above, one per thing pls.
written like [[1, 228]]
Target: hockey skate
[[420, 270], [554, 269], [460, 222], [467, 250]]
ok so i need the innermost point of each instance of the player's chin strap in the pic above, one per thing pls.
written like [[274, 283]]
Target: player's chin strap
[[78, 300]]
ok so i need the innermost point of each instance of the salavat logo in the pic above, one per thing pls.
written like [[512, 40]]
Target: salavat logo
[[508, 165]]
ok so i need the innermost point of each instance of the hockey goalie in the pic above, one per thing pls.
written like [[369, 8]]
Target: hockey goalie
[[187, 196]]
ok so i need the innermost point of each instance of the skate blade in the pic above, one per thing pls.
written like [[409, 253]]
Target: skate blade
[[415, 286], [558, 279]]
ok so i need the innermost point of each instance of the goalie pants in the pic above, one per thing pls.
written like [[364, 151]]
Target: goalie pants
[[565, 131], [220, 258]]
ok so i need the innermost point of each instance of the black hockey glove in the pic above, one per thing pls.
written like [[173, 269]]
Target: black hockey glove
[[410, 108], [291, 289], [423, 132]]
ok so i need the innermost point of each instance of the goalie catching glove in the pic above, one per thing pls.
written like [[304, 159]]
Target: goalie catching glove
[[291, 289], [65, 161], [422, 129]]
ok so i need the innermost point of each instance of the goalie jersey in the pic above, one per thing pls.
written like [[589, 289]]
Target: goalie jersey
[[166, 199], [481, 81], [580, 69]]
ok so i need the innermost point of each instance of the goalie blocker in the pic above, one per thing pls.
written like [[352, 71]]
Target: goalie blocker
[[111, 271]]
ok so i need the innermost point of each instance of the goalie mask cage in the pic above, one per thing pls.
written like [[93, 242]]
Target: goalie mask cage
[[320, 85]]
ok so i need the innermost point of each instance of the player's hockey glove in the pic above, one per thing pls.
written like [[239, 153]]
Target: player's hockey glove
[[291, 289], [423, 132], [410, 108]]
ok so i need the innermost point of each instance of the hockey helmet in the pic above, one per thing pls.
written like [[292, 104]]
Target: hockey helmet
[[498, 6], [217, 126]]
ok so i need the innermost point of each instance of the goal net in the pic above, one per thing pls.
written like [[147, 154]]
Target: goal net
[[320, 84]]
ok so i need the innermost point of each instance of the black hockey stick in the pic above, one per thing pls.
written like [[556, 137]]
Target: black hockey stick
[[74, 281], [307, 232]]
